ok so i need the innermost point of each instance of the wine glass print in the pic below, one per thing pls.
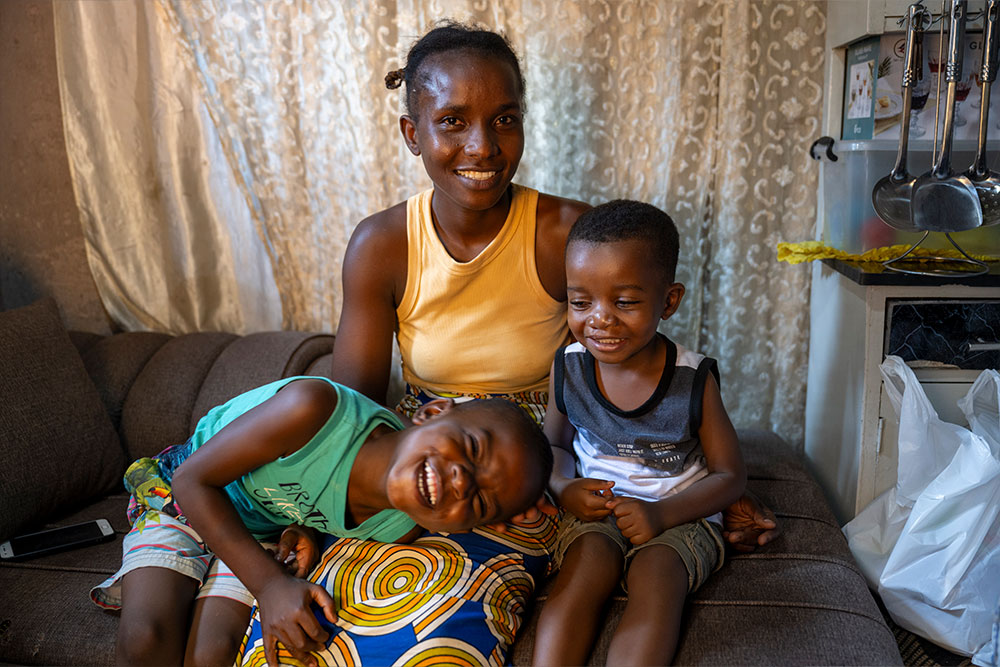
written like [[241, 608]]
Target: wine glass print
[[920, 92], [861, 96], [962, 89], [934, 65]]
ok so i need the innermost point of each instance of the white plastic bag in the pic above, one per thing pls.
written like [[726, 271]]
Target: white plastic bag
[[930, 546]]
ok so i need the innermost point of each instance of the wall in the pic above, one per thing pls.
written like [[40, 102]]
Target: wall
[[41, 242]]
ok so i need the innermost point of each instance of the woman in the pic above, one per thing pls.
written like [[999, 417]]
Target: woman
[[446, 260]]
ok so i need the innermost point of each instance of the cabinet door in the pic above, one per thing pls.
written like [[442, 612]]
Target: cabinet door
[[886, 453], [850, 20], [943, 388]]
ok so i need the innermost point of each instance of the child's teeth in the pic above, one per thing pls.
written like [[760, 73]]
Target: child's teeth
[[430, 482], [432, 485]]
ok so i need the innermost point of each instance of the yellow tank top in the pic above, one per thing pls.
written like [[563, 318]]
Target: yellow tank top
[[486, 325]]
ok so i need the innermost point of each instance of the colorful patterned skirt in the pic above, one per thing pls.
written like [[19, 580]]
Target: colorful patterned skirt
[[532, 402]]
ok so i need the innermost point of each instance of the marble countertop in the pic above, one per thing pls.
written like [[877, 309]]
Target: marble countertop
[[873, 273]]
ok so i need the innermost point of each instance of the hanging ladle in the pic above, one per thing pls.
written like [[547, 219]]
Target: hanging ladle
[[985, 180], [891, 194], [944, 201]]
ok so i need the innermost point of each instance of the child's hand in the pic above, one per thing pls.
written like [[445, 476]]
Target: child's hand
[[286, 616], [298, 549], [587, 498], [638, 520]]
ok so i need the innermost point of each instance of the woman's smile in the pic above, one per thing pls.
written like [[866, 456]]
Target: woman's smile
[[481, 178], [476, 175]]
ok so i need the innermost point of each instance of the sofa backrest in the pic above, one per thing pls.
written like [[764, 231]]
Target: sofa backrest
[[156, 387]]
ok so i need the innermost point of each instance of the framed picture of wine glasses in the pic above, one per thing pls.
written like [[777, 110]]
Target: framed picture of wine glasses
[[883, 57]]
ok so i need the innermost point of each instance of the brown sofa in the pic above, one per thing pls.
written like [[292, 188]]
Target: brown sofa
[[81, 405]]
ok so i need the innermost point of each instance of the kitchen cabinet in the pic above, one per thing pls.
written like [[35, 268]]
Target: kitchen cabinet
[[850, 20], [851, 428]]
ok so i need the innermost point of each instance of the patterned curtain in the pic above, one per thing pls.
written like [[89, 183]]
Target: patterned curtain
[[222, 152]]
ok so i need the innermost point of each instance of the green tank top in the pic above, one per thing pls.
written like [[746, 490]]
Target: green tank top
[[308, 487]]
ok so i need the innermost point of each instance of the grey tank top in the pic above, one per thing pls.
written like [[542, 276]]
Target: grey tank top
[[661, 434]]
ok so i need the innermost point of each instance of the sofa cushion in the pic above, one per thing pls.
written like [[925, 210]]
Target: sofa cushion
[[53, 423], [114, 362], [158, 410], [54, 621], [274, 354]]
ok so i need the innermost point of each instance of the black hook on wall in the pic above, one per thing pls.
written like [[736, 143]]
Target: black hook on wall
[[828, 143]]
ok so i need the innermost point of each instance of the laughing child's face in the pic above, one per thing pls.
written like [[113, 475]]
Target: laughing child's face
[[617, 297], [466, 467]]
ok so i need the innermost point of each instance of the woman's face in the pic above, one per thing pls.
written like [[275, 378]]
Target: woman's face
[[468, 129]]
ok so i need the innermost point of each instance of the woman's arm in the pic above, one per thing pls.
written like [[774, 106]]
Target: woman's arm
[[277, 427], [374, 277], [556, 216]]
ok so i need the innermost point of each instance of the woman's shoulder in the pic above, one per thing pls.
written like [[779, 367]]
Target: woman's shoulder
[[558, 214], [387, 222], [380, 231], [377, 248]]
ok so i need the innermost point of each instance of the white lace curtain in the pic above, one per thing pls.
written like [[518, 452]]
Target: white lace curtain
[[222, 152]]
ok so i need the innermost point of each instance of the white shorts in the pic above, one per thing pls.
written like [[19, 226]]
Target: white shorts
[[160, 540]]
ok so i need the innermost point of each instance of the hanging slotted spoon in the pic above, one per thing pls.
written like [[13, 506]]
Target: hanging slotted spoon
[[891, 195], [944, 201], [985, 180]]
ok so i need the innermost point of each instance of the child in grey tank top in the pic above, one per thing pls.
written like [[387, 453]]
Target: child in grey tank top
[[645, 455]]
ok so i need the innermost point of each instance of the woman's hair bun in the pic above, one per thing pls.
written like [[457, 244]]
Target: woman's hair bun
[[394, 79]]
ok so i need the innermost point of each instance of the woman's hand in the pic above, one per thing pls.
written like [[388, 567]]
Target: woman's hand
[[587, 498], [298, 549], [749, 524], [286, 616], [530, 515]]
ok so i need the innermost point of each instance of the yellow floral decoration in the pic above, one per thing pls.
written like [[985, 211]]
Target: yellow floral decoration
[[808, 251]]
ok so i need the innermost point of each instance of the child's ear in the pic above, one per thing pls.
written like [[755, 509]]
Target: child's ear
[[675, 293], [432, 409], [408, 127]]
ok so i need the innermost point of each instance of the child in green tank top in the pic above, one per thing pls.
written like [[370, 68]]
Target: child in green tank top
[[311, 452]]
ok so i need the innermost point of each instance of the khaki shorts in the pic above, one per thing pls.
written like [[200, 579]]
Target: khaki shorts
[[699, 544]]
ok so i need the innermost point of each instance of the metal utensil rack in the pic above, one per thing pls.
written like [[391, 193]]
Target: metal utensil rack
[[937, 265]]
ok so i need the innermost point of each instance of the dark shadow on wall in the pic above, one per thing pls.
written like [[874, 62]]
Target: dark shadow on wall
[[41, 242]]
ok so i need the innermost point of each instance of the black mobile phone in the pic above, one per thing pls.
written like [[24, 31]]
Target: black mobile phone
[[49, 541]]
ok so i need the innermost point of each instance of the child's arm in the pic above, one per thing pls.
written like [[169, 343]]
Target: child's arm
[[582, 496], [278, 427], [640, 521]]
